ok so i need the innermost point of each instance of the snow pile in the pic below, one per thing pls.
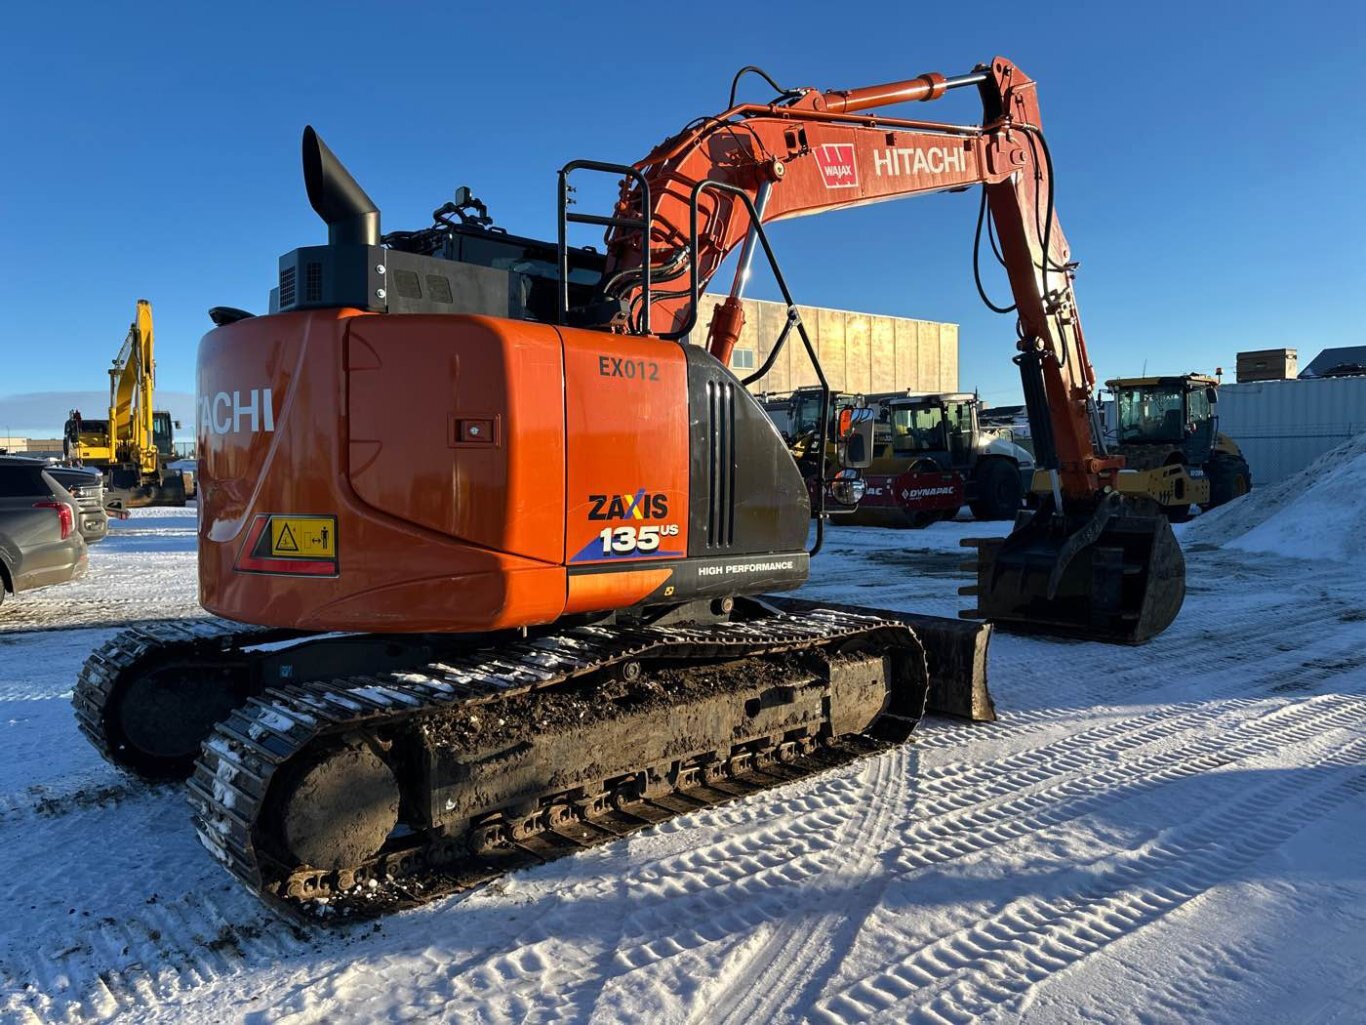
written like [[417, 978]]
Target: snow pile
[[1318, 513]]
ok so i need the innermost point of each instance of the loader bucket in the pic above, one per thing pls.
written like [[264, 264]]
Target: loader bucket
[[1111, 573]]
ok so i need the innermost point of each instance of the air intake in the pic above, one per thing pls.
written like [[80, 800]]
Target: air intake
[[721, 463]]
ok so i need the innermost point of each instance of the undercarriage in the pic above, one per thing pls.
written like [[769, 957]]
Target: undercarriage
[[444, 763]]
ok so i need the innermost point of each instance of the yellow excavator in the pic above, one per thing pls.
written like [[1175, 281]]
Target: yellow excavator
[[134, 445]]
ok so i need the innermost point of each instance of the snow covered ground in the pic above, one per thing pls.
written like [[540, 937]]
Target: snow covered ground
[[1171, 833]]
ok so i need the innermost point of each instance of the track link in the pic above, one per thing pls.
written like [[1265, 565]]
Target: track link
[[131, 653], [251, 755]]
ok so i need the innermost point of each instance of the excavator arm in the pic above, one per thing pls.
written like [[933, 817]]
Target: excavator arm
[[814, 152], [1088, 561], [131, 383]]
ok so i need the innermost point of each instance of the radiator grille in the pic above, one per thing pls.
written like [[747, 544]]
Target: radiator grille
[[721, 464], [286, 288], [313, 282]]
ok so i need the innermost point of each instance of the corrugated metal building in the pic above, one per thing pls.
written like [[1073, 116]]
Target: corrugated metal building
[[859, 352], [1283, 426]]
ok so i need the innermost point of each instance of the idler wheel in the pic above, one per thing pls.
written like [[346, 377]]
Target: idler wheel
[[161, 719], [339, 811]]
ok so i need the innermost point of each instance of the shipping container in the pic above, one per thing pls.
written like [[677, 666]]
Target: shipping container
[[1267, 365], [1283, 426]]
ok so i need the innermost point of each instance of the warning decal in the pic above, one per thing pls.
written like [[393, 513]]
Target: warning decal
[[310, 537], [299, 545]]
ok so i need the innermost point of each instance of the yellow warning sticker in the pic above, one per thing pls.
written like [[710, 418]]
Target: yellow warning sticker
[[303, 537]]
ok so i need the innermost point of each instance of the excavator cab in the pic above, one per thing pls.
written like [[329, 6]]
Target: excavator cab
[[163, 438]]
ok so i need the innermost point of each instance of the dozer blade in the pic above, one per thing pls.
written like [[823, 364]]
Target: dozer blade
[[1114, 573], [955, 656]]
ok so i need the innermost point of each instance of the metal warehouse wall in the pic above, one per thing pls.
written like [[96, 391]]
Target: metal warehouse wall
[[860, 352], [1283, 426]]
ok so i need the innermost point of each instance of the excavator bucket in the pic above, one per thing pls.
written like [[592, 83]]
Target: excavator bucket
[[1115, 573]]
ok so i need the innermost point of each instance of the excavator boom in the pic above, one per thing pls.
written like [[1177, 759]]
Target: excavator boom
[[1068, 568], [135, 441]]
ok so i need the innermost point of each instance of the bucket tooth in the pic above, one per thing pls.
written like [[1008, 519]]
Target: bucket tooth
[[969, 590]]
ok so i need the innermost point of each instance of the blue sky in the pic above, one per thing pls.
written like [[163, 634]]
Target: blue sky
[[1208, 160]]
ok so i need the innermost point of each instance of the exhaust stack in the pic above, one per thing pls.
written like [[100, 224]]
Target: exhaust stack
[[351, 216]]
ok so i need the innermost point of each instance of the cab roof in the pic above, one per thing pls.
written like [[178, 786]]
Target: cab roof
[[1191, 380]]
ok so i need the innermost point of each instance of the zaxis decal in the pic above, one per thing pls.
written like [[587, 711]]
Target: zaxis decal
[[634, 539], [640, 506]]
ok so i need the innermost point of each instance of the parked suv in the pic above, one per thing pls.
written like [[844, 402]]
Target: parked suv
[[40, 543], [86, 486]]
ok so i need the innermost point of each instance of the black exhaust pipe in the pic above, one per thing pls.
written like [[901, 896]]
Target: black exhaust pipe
[[351, 216]]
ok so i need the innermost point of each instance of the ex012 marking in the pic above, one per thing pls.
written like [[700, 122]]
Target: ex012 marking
[[631, 369]]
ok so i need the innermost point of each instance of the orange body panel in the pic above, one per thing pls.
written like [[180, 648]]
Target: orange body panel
[[452, 452], [626, 410]]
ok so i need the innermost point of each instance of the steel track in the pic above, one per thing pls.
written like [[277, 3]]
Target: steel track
[[231, 784]]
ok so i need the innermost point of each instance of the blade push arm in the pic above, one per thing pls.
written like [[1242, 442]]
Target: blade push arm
[[817, 153]]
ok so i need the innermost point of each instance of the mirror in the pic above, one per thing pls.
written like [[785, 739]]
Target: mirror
[[856, 437], [1212, 393]]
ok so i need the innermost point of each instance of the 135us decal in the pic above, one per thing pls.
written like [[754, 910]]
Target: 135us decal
[[640, 536]]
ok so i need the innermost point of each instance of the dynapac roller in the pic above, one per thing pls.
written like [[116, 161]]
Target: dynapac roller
[[491, 540]]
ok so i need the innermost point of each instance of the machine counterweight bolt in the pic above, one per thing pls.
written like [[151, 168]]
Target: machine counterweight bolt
[[379, 268], [380, 293]]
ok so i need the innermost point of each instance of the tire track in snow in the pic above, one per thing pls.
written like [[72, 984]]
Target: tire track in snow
[[996, 962], [1206, 975], [1082, 790], [114, 966], [123, 908], [796, 943], [1148, 677], [956, 828], [951, 835], [956, 781], [716, 886], [780, 971]]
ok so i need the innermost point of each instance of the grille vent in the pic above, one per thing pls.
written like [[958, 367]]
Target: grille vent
[[721, 464], [407, 284], [286, 288], [439, 289], [313, 282]]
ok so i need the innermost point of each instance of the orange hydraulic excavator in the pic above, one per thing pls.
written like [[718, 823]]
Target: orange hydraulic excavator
[[493, 541]]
